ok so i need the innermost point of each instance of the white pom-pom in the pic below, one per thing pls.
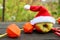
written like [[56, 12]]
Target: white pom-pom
[[27, 7]]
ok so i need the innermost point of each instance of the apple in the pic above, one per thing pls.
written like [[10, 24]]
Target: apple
[[43, 27], [28, 28]]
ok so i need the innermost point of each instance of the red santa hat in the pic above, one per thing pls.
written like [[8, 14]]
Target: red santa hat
[[42, 16]]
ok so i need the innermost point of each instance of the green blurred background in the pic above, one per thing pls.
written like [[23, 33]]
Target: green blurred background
[[14, 9], [1, 5]]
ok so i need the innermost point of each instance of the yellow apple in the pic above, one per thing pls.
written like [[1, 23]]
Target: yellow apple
[[43, 27]]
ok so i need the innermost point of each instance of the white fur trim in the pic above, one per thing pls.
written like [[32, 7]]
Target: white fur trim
[[27, 7], [42, 19]]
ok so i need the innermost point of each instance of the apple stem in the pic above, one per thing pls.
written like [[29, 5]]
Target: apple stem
[[3, 35]]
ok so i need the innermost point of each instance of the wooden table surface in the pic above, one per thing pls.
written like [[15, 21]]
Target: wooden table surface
[[33, 36]]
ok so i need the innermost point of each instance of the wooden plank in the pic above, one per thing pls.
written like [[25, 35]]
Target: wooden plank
[[33, 36]]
